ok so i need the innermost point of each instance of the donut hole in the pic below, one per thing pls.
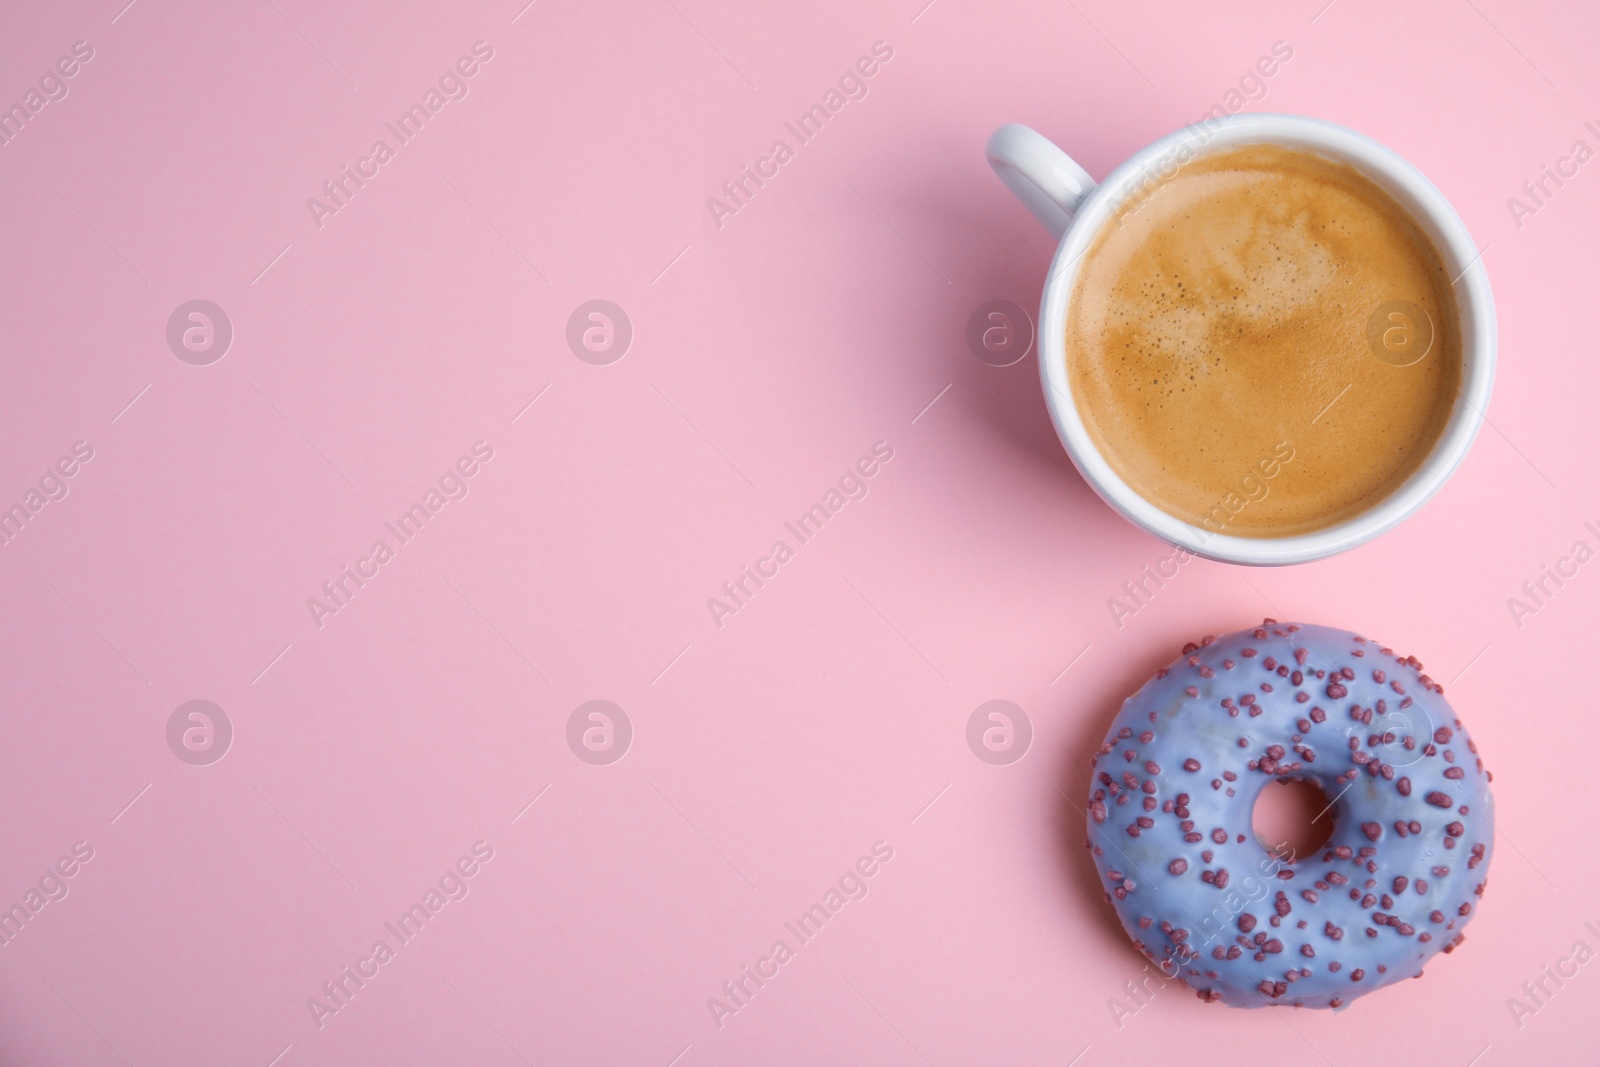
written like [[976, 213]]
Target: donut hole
[[1292, 819]]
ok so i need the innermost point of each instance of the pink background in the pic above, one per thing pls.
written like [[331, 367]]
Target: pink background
[[769, 354]]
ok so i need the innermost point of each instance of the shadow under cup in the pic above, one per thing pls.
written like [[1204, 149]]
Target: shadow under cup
[[1210, 514]]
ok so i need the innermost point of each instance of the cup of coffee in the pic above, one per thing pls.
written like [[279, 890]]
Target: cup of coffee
[[1264, 338]]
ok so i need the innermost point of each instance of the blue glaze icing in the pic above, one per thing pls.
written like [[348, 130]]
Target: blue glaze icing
[[1387, 750]]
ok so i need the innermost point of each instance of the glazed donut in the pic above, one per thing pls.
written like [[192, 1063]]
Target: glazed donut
[[1173, 789]]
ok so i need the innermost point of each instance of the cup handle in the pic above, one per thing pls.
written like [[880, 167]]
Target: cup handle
[[1043, 177]]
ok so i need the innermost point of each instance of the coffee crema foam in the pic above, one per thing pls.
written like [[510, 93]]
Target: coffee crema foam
[[1222, 320]]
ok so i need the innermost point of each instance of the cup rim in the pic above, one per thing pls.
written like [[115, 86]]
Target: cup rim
[[1430, 209]]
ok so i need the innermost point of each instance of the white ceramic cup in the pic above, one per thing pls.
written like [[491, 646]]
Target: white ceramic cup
[[1075, 209]]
